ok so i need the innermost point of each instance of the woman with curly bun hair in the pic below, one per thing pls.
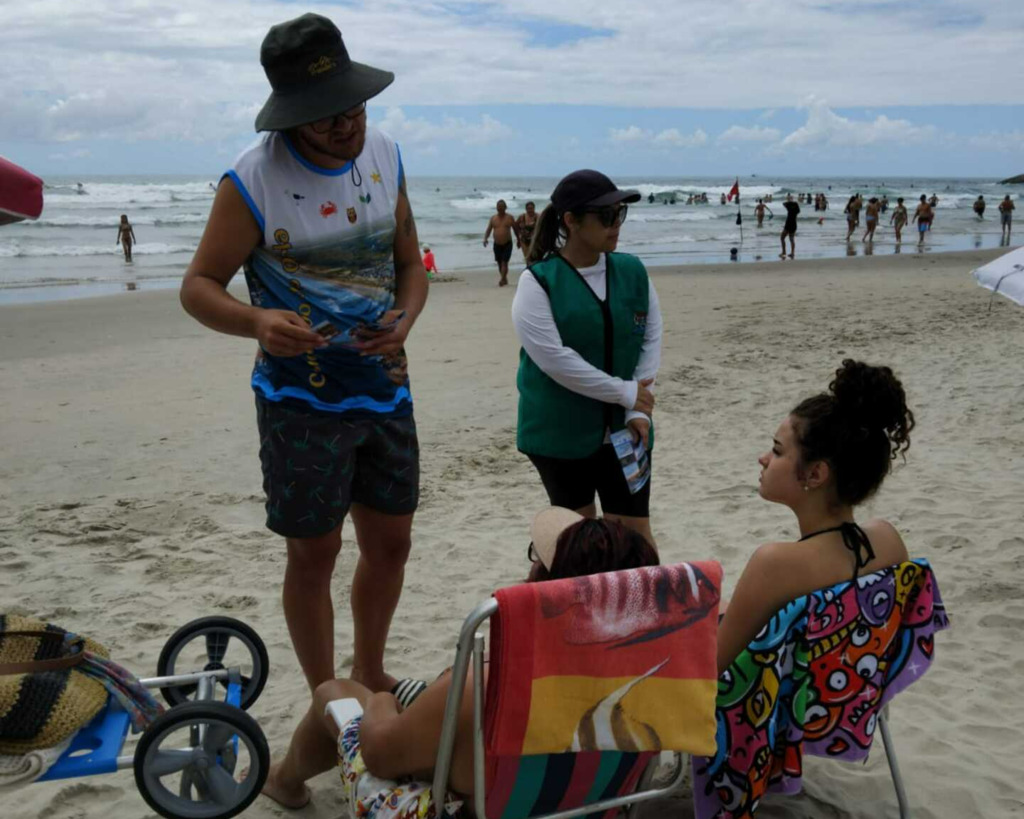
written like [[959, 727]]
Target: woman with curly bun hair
[[829, 455]]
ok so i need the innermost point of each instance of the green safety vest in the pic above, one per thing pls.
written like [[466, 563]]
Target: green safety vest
[[555, 421]]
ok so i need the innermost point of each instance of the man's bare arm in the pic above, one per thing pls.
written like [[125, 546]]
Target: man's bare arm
[[410, 281], [490, 227], [410, 275]]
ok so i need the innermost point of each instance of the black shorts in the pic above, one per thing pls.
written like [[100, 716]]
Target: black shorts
[[789, 229], [573, 483], [316, 464], [502, 253]]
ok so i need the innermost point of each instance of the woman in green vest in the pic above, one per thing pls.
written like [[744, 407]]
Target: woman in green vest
[[590, 329]]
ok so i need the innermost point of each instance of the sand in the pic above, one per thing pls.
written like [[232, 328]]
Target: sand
[[130, 492]]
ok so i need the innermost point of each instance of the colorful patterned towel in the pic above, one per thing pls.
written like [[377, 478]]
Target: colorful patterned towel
[[602, 663], [813, 681]]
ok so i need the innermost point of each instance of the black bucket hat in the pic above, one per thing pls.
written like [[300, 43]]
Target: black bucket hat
[[311, 74], [589, 189]]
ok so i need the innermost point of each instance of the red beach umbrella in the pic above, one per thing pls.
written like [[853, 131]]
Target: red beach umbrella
[[21, 193]]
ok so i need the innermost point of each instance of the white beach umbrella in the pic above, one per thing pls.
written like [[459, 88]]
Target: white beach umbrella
[[1004, 276]]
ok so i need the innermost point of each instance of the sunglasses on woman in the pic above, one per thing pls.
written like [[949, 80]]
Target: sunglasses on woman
[[611, 215], [327, 124]]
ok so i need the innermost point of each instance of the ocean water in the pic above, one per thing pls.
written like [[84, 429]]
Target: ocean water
[[71, 251]]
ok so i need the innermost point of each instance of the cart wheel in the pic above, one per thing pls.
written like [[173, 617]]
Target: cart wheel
[[187, 761], [217, 633]]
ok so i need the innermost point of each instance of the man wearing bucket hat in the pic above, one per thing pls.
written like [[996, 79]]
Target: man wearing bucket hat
[[318, 216], [590, 326]]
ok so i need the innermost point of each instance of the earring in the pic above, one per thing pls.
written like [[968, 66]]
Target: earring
[[807, 488]]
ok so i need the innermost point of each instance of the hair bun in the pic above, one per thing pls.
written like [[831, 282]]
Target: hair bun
[[873, 397]]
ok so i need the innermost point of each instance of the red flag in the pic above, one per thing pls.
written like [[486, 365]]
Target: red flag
[[735, 191]]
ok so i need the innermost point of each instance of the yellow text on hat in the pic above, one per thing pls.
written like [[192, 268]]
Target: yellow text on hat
[[321, 65]]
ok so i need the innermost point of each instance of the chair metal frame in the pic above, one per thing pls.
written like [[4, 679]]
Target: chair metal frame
[[894, 768], [471, 647]]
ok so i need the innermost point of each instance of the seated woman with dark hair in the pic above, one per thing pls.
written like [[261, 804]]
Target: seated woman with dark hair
[[829, 455], [402, 743]]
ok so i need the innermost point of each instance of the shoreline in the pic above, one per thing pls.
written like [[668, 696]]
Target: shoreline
[[18, 294]]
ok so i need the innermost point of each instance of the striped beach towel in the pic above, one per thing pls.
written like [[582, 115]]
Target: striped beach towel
[[591, 676]]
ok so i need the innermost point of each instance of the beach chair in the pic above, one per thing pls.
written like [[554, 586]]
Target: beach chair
[[818, 679], [585, 682]]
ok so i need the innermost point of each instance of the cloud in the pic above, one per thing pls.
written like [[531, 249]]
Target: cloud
[[826, 128], [424, 133], [80, 153], [189, 69], [1002, 141], [630, 134], [737, 133], [670, 137]]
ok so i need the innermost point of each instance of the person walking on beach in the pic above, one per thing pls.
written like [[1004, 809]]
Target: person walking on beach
[[125, 235], [526, 223], [923, 216], [429, 264], [871, 218], [1006, 208], [590, 326], [899, 219], [318, 215], [759, 210], [504, 226], [789, 228]]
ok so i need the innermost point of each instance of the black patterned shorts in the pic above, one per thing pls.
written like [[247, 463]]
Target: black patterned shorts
[[317, 464]]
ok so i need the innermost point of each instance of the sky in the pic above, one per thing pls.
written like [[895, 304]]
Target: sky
[[537, 87]]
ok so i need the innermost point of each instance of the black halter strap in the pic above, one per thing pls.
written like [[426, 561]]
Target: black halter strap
[[855, 539]]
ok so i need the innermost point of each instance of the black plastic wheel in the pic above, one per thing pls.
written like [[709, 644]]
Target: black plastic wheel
[[195, 776], [217, 632]]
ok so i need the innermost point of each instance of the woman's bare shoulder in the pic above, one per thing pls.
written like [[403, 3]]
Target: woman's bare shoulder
[[886, 541]]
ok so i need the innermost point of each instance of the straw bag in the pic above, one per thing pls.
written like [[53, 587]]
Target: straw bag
[[43, 698]]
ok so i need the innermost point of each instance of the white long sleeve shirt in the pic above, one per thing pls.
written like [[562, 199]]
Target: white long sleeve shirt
[[538, 333]]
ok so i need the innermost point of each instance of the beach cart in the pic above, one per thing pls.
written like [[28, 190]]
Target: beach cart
[[203, 758]]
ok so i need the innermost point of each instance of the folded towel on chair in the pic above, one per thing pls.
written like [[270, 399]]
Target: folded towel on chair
[[622, 661]]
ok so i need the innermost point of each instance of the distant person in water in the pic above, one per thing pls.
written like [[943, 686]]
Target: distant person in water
[[899, 218], [871, 218], [126, 236], [526, 223], [1006, 208], [979, 207], [923, 216], [503, 224], [789, 228], [759, 210]]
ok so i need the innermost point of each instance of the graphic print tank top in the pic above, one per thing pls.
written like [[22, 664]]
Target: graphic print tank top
[[327, 254]]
